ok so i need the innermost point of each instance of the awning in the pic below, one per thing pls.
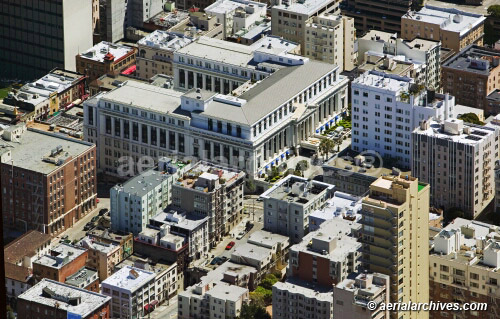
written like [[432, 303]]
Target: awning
[[326, 125], [287, 152], [260, 172], [331, 121], [129, 70], [267, 166], [336, 117], [317, 131], [146, 307], [154, 303], [282, 155], [322, 127], [77, 101]]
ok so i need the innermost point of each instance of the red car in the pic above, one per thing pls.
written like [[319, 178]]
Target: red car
[[230, 245]]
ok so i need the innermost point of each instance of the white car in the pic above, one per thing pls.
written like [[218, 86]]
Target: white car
[[240, 235]]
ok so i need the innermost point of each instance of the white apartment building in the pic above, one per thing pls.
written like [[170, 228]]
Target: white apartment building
[[351, 297], [156, 53], [331, 38], [222, 66], [297, 299], [235, 15], [133, 203], [252, 131], [288, 203], [425, 55], [458, 160], [341, 206], [386, 108], [211, 301], [130, 289]]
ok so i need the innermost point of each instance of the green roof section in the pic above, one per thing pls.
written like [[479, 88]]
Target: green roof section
[[421, 186]]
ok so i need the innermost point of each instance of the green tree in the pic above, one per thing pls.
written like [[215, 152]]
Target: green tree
[[471, 118], [326, 146], [494, 10], [269, 281], [253, 311], [251, 186]]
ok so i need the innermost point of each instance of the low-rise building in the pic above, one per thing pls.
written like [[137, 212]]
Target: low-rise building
[[341, 205], [62, 261], [295, 299], [252, 255], [331, 38], [455, 28], [131, 290], [493, 101], [472, 76], [352, 295], [464, 267], [219, 300], [198, 25], [51, 299], [103, 257], [235, 15], [458, 160], [329, 255], [105, 58], [211, 191], [85, 278], [278, 244], [399, 105], [188, 225], [143, 196], [122, 239], [166, 275], [289, 202], [54, 92], [156, 53], [53, 180]]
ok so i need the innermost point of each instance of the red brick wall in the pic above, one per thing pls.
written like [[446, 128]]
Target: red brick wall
[[42, 271], [32, 312]]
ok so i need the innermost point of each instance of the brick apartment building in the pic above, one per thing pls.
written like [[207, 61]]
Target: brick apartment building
[[48, 181], [53, 300], [61, 262]]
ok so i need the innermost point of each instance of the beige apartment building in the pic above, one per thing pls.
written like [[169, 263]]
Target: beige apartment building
[[458, 161], [395, 218], [330, 38], [290, 19], [156, 53], [464, 263], [455, 29], [351, 297], [103, 257]]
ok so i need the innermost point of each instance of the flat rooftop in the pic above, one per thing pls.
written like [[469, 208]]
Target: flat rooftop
[[183, 220], [306, 7], [83, 276], [51, 293], [25, 246], [494, 96], [307, 289], [384, 81], [169, 19], [477, 134], [164, 40], [144, 183], [109, 82], [267, 239], [129, 278], [339, 206], [474, 59], [449, 19], [251, 251], [209, 173], [339, 229], [296, 190], [60, 255], [98, 246], [106, 50], [30, 149], [145, 96], [224, 291], [230, 268], [227, 6], [144, 263]]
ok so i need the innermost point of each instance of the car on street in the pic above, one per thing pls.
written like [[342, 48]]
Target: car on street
[[94, 219], [103, 212], [240, 235], [230, 245]]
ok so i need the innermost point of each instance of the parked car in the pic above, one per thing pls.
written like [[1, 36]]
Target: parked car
[[215, 261], [230, 245], [240, 235], [249, 225], [94, 219]]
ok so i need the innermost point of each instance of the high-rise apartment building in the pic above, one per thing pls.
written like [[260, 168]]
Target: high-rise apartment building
[[464, 262], [473, 76], [458, 160], [455, 29], [38, 36], [53, 180], [213, 191], [395, 232], [330, 38], [288, 204], [289, 17], [378, 15], [386, 108]]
